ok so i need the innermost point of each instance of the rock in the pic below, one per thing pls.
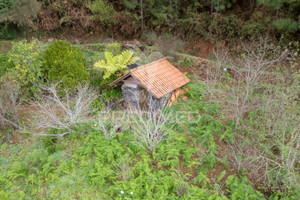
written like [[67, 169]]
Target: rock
[[76, 41]]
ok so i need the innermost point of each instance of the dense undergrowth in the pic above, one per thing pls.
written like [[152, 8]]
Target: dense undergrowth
[[211, 20], [88, 166]]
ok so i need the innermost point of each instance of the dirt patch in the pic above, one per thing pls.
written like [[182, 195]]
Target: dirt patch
[[199, 67], [5, 46], [200, 48]]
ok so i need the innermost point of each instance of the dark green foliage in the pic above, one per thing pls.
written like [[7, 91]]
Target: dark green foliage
[[64, 62], [253, 30], [225, 26], [19, 12], [8, 31], [286, 26], [49, 142], [103, 12], [214, 19]]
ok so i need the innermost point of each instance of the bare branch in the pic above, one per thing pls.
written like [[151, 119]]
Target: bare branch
[[9, 105], [62, 113], [151, 126]]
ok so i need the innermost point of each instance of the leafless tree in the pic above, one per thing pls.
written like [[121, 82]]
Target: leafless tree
[[151, 126], [215, 71], [271, 156], [257, 58], [62, 113], [9, 105], [283, 130], [111, 123]]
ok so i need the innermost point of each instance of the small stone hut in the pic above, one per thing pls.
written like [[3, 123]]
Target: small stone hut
[[150, 86]]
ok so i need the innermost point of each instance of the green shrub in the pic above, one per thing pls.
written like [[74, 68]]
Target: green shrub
[[225, 27], [64, 62], [194, 25], [285, 26], [27, 63], [111, 95], [8, 31], [253, 30], [241, 188], [4, 64], [103, 12], [114, 48], [3, 195]]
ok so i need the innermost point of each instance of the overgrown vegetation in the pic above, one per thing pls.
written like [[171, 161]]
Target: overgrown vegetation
[[233, 134], [211, 20], [178, 168]]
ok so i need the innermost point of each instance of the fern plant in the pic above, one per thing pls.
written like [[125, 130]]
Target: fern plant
[[112, 65]]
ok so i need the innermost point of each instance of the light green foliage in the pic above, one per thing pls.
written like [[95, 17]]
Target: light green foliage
[[115, 65], [89, 164], [103, 12], [4, 64], [241, 189], [91, 167], [27, 63], [64, 62]]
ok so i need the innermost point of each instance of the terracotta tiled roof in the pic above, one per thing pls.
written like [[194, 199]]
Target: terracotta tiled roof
[[119, 79], [159, 77]]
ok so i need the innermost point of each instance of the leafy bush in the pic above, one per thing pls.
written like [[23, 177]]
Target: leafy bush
[[114, 48], [194, 25], [225, 27], [8, 31], [103, 12], [64, 62], [241, 188], [27, 66], [253, 30], [4, 64], [285, 26]]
